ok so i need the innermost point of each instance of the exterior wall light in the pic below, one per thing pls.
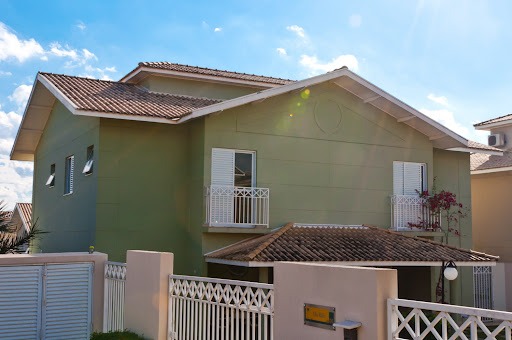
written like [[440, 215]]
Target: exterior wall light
[[450, 271]]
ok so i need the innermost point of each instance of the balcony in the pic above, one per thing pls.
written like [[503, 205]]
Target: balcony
[[409, 209], [230, 206]]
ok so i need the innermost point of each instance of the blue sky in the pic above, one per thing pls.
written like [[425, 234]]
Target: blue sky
[[448, 59]]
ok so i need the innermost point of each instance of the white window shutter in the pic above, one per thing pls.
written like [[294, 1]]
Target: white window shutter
[[398, 178], [71, 172], [413, 178], [223, 167]]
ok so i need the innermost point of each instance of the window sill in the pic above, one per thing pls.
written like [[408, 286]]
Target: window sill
[[236, 230]]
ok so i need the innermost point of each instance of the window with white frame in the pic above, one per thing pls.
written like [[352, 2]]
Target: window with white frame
[[68, 178], [50, 182], [90, 161], [409, 178]]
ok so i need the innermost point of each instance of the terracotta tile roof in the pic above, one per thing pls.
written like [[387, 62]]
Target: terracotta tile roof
[[25, 210], [309, 243], [116, 97], [480, 146], [215, 73], [495, 120], [480, 161]]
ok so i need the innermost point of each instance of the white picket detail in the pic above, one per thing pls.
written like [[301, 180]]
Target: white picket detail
[[236, 206], [113, 301], [407, 209], [207, 308], [482, 287], [408, 319]]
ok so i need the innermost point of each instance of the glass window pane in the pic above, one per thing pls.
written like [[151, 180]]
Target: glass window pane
[[243, 169]]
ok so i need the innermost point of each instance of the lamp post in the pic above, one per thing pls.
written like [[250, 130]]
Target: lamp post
[[450, 273]]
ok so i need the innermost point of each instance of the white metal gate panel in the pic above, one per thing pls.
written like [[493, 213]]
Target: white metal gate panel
[[20, 302], [67, 301], [207, 308], [113, 305], [482, 286]]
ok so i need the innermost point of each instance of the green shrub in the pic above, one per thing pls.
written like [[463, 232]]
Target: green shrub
[[124, 335]]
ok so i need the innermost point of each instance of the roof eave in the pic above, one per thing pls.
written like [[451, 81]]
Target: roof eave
[[472, 150], [443, 132], [269, 264], [489, 126], [491, 170]]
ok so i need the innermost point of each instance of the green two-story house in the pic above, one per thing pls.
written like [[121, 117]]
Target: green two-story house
[[190, 160]]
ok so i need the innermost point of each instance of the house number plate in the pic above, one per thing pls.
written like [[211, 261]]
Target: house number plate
[[319, 316]]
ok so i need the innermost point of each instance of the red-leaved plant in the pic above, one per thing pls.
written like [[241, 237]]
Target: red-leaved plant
[[440, 206]]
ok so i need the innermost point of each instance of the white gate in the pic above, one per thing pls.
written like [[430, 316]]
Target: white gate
[[113, 303], [206, 308], [482, 287], [50, 301]]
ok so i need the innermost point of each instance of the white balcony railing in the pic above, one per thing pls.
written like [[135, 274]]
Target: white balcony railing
[[410, 209], [230, 206]]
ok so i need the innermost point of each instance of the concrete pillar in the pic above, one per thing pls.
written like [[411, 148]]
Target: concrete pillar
[[357, 294], [147, 292]]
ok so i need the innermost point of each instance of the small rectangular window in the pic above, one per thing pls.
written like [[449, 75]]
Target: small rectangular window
[[90, 161], [51, 179], [68, 180]]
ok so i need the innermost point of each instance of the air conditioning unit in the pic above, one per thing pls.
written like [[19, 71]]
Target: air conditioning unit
[[496, 140]]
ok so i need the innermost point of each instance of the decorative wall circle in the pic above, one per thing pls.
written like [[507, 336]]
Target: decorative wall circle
[[328, 115]]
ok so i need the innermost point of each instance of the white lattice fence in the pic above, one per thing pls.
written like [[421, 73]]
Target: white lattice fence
[[206, 308], [229, 205], [482, 287], [409, 319], [406, 209], [113, 303]]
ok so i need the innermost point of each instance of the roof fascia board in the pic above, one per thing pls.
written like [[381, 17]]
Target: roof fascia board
[[57, 93], [471, 150], [228, 104], [24, 116], [493, 170], [356, 264], [406, 107], [22, 217], [489, 126], [123, 116], [196, 76]]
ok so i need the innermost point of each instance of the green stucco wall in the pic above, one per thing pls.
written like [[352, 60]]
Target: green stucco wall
[[452, 171], [326, 159], [196, 88], [68, 219], [143, 191]]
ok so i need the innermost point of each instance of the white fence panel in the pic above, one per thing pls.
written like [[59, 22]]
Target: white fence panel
[[482, 287], [113, 307], [206, 308], [409, 319]]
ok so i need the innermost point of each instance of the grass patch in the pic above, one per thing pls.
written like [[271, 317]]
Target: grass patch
[[124, 335]]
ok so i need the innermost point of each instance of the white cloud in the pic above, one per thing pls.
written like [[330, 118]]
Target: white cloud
[[442, 100], [297, 30], [316, 67], [81, 26], [447, 118], [281, 51], [16, 184], [110, 69], [21, 95], [355, 20], [9, 122], [58, 50], [5, 74], [11, 47], [88, 55], [217, 29]]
